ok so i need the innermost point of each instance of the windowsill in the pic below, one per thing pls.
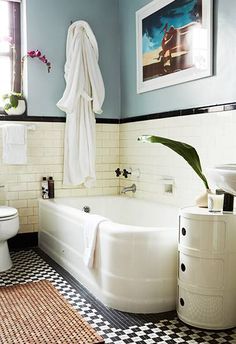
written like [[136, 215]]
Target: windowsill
[[5, 117], [26, 118]]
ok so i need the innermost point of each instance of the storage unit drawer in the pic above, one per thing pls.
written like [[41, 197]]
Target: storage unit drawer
[[201, 272], [202, 235], [205, 311], [206, 269]]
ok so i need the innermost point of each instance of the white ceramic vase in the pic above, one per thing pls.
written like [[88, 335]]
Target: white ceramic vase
[[19, 110], [202, 200]]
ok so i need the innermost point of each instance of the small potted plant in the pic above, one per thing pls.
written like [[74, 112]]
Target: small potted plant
[[14, 101]]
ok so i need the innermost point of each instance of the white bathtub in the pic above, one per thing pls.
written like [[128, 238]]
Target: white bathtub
[[136, 251]]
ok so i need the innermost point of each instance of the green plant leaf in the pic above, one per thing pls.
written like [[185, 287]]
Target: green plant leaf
[[7, 106], [14, 100], [187, 152]]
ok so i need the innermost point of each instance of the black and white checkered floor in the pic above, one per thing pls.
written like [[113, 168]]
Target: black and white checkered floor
[[115, 327]]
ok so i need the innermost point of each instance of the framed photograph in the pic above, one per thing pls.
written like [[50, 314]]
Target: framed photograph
[[174, 42]]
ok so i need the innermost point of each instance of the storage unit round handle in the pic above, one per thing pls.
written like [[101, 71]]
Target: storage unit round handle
[[183, 231], [183, 267], [181, 301]]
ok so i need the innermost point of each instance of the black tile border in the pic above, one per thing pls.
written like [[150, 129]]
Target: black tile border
[[25, 118], [23, 241], [108, 120], [182, 112], [158, 115]]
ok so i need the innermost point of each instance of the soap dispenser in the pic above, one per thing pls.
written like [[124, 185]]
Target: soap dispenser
[[44, 188], [50, 187]]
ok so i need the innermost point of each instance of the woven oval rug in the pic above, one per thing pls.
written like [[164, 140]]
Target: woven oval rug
[[36, 313]]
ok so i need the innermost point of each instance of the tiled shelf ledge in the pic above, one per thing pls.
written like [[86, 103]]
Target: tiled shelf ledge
[[183, 112], [175, 113], [26, 118]]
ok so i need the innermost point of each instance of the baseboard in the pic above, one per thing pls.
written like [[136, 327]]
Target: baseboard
[[23, 240]]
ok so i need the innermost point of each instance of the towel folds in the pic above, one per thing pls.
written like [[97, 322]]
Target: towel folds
[[91, 227], [83, 97], [14, 138]]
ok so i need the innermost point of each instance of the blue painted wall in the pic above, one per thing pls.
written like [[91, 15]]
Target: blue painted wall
[[113, 22], [218, 89], [47, 23]]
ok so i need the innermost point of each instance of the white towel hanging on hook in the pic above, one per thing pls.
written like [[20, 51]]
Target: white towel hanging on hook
[[83, 96], [14, 138]]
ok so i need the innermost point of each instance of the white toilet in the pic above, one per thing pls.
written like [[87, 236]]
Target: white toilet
[[9, 226]]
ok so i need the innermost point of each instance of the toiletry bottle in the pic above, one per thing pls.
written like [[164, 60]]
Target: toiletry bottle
[[44, 188], [50, 187]]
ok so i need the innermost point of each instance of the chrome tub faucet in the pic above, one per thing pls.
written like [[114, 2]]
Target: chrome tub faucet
[[129, 188]]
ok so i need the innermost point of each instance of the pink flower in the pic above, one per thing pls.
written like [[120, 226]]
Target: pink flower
[[37, 53], [43, 59], [31, 53]]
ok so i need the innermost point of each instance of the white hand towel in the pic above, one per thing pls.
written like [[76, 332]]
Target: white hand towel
[[14, 144], [15, 134], [91, 227]]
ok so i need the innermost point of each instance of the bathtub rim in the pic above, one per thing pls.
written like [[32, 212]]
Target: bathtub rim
[[117, 227]]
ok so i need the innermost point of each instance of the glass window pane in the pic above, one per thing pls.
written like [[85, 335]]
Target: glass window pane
[[4, 18], [5, 76], [4, 26]]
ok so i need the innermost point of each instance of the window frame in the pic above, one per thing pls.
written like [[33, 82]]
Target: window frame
[[15, 34]]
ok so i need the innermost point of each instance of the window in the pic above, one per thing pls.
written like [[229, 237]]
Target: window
[[10, 58]]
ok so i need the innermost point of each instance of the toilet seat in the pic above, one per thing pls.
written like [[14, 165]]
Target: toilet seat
[[7, 213]]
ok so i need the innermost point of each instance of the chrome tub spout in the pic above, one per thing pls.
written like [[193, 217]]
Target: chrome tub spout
[[129, 188]]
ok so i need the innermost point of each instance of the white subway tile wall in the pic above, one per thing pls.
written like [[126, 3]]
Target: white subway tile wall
[[45, 158], [213, 136]]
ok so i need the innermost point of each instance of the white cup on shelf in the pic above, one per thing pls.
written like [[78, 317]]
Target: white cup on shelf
[[215, 203]]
